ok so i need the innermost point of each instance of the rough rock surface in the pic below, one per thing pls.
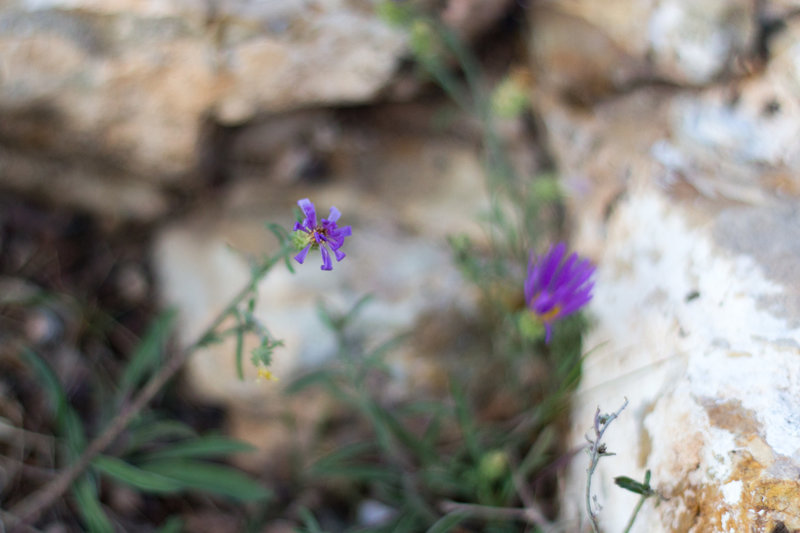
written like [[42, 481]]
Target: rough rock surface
[[588, 49], [112, 95], [688, 200]]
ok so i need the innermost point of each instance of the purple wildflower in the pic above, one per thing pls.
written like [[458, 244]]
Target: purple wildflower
[[325, 235], [554, 288]]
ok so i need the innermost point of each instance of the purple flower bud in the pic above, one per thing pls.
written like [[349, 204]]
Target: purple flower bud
[[555, 288]]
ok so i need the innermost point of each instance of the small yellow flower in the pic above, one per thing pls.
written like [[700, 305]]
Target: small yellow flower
[[264, 373]]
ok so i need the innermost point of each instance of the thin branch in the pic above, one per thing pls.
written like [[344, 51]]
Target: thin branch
[[597, 450], [34, 505]]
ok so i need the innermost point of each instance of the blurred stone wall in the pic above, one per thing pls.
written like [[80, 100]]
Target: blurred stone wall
[[674, 125], [103, 102]]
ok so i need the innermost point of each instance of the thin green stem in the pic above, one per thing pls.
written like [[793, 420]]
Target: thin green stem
[[635, 512]]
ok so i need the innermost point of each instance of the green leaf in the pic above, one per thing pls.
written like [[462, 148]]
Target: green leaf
[[342, 464], [71, 428], [91, 510], [447, 523], [208, 477], [310, 523], [134, 476], [394, 13], [152, 430], [343, 455], [240, 347], [209, 446], [68, 422], [361, 473], [408, 439], [635, 486], [285, 240], [48, 380], [466, 422], [147, 355]]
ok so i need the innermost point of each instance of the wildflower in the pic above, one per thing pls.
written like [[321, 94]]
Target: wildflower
[[325, 235], [265, 373], [554, 288]]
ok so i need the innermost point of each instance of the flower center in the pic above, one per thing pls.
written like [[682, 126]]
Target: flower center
[[551, 314]]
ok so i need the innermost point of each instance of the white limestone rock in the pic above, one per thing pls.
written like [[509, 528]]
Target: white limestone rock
[[697, 317]]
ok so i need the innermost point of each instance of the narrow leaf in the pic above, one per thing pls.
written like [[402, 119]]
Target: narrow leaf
[[632, 485], [239, 349], [91, 510], [68, 422], [135, 477], [210, 446], [152, 431], [208, 477], [147, 355], [447, 523]]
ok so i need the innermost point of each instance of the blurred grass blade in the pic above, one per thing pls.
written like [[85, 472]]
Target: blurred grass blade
[[210, 446], [342, 464], [447, 523], [147, 355], [152, 430], [343, 455], [353, 312], [365, 473], [408, 439], [71, 428], [135, 477], [309, 521], [466, 422], [208, 477], [240, 347], [91, 510], [67, 420], [48, 380]]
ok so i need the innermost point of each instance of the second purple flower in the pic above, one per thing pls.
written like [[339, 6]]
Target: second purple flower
[[325, 234], [556, 288]]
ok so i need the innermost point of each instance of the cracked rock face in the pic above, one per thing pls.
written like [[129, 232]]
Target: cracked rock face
[[688, 201], [588, 49], [112, 94]]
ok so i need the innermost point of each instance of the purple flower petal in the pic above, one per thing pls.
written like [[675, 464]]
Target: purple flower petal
[[326, 258], [302, 255], [308, 209], [548, 332]]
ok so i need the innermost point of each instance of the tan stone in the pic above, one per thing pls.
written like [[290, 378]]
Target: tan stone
[[588, 49], [132, 83]]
